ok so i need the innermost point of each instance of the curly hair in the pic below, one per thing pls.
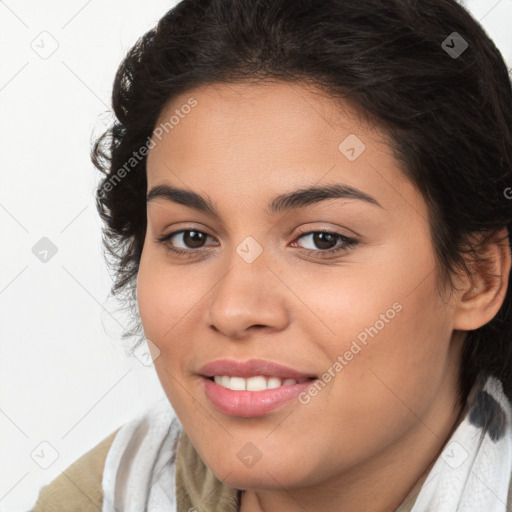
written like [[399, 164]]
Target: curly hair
[[447, 116]]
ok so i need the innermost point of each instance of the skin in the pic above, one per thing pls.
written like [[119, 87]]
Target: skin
[[377, 427]]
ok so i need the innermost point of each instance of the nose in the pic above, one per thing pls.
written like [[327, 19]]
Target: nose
[[248, 298]]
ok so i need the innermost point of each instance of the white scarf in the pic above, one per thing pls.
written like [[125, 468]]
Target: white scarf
[[139, 472], [474, 469], [472, 474]]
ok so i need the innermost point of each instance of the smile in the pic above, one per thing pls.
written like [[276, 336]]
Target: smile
[[251, 388]]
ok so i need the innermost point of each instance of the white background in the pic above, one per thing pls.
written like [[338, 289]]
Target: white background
[[64, 376]]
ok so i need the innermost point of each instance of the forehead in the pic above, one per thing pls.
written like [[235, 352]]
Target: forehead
[[240, 135], [273, 113]]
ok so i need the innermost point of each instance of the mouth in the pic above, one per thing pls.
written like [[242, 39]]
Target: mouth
[[252, 388]]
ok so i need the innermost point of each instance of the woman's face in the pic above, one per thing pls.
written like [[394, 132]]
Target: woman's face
[[258, 293]]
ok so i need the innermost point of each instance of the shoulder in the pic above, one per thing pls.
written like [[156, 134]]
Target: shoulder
[[78, 487], [135, 460]]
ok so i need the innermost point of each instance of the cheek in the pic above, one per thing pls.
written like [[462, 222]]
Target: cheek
[[384, 384], [163, 296], [163, 303], [162, 306], [391, 330]]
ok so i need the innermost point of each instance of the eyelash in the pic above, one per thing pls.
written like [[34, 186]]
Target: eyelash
[[347, 243]]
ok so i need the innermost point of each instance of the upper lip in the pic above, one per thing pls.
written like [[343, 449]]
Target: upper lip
[[251, 368]]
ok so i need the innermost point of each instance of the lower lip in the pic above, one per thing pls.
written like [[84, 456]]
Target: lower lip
[[249, 404]]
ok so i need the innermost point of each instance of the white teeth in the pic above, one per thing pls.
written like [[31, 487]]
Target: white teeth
[[237, 383], [273, 382], [256, 383]]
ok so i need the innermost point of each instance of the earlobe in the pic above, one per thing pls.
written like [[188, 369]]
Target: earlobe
[[485, 290]]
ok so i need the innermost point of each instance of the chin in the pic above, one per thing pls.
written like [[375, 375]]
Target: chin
[[272, 474], [255, 480]]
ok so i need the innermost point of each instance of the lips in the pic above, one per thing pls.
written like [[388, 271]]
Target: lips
[[242, 396]]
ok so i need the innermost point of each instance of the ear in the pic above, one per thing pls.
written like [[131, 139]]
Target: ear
[[482, 294]]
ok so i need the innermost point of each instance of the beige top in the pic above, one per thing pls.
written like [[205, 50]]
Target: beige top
[[79, 487]]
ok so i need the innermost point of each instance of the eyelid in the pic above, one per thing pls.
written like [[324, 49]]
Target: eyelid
[[331, 231]]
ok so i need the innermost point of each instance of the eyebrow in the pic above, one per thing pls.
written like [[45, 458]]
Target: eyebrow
[[284, 202]]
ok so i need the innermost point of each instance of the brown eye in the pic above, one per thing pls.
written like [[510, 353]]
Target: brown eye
[[325, 242], [186, 242], [193, 239]]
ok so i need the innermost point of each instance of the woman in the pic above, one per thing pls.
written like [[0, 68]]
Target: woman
[[308, 207]]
